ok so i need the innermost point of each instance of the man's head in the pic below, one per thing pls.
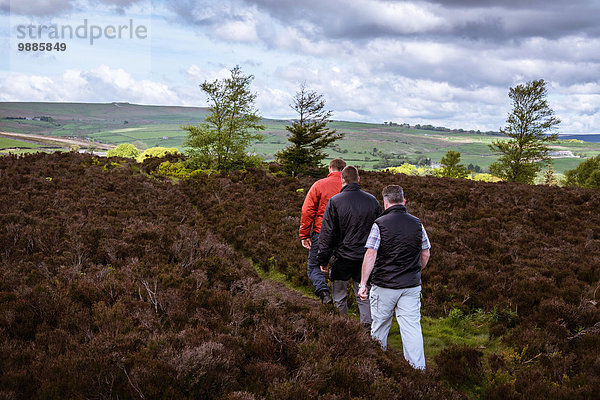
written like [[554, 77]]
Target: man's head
[[392, 195], [350, 175], [336, 165]]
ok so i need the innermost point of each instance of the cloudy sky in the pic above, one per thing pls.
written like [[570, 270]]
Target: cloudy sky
[[441, 62]]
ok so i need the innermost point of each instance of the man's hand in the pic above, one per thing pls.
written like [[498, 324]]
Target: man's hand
[[363, 293], [325, 269], [306, 243]]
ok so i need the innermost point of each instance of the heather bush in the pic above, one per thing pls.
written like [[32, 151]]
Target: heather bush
[[116, 284], [460, 366]]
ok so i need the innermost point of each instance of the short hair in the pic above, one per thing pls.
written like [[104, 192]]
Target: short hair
[[350, 174], [337, 164], [394, 194]]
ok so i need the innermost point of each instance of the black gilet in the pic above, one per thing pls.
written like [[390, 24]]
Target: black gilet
[[398, 263]]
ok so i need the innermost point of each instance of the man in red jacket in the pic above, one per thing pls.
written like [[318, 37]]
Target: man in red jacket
[[312, 216]]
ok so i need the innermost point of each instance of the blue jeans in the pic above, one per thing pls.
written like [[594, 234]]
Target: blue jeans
[[315, 274]]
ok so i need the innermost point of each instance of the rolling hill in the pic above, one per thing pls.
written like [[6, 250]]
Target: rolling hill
[[369, 146]]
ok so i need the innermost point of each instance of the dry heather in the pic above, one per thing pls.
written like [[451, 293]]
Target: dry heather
[[117, 285]]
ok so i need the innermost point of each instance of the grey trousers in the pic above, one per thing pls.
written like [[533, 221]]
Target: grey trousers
[[339, 293], [406, 303]]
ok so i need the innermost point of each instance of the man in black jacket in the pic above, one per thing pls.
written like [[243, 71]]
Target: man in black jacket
[[347, 221], [397, 250]]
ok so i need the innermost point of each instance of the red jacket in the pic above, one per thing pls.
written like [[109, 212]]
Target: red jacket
[[316, 200]]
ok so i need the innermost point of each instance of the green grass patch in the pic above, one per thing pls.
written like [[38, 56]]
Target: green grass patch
[[470, 330], [7, 143], [273, 275]]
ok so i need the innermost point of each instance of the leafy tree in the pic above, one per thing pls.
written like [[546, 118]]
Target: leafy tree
[[587, 174], [527, 126], [309, 134], [123, 150], [220, 142], [451, 167]]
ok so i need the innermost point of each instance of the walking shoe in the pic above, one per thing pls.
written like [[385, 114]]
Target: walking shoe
[[325, 297]]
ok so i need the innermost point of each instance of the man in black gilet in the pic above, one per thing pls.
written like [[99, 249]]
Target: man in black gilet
[[397, 250]]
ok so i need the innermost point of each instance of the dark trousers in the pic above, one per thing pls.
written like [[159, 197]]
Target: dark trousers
[[315, 274]]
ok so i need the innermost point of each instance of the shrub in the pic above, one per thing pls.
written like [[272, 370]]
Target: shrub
[[126, 150], [156, 152], [179, 171]]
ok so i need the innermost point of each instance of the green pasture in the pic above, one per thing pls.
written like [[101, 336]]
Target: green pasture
[[8, 143], [147, 126]]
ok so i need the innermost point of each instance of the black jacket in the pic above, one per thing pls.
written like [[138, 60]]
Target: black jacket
[[347, 222], [398, 263]]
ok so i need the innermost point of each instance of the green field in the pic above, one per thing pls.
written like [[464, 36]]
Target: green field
[[7, 143], [364, 145]]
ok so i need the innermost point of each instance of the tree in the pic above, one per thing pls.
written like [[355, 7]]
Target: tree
[[550, 176], [527, 125], [232, 124], [587, 174], [473, 168], [451, 167], [309, 134]]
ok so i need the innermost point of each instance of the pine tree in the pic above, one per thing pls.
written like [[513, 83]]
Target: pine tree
[[451, 167], [309, 134]]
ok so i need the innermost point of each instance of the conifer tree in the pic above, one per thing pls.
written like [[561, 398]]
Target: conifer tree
[[451, 167], [309, 134]]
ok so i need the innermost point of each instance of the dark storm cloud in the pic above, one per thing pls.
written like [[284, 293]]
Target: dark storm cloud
[[488, 20]]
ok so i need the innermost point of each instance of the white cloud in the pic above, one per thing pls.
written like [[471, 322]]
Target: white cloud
[[100, 84], [403, 18], [238, 31]]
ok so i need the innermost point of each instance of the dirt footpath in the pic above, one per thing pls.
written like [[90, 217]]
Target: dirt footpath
[[56, 140]]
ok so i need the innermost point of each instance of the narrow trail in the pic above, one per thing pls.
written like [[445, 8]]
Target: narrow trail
[[43, 139]]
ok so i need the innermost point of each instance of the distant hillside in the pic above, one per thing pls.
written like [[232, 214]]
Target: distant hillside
[[367, 145]]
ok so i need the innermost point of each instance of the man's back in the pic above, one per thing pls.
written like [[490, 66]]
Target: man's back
[[316, 201], [398, 263], [348, 218]]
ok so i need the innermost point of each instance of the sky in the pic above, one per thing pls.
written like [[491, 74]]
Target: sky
[[441, 62]]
